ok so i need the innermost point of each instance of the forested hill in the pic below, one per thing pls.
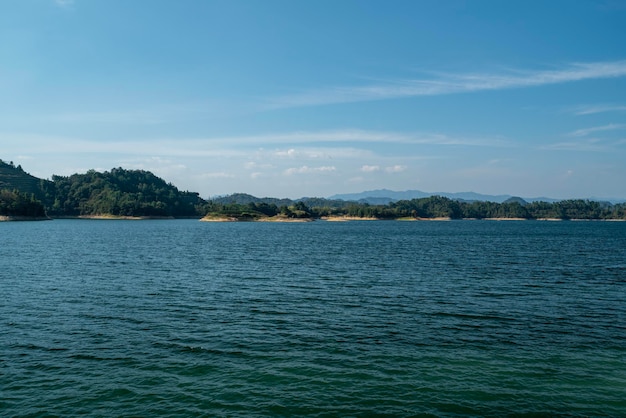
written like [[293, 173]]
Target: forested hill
[[15, 178], [118, 192], [121, 192]]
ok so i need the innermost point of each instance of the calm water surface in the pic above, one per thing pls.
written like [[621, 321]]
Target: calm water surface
[[180, 318]]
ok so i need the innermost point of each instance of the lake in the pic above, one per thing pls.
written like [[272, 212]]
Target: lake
[[180, 317]]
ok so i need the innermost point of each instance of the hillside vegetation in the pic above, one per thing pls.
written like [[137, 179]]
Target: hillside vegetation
[[120, 192], [14, 203], [424, 208], [138, 193], [15, 178]]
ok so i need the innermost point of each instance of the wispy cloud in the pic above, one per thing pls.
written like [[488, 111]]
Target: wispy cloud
[[591, 110], [587, 131], [320, 145], [453, 83], [153, 113], [308, 170], [362, 136], [128, 117], [64, 3], [396, 169], [370, 168], [586, 145]]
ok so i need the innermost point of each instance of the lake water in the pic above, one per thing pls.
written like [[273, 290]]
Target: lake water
[[181, 318]]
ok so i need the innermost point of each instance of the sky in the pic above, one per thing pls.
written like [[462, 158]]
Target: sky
[[286, 98]]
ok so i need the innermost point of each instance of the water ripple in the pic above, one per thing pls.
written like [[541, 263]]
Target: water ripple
[[176, 318]]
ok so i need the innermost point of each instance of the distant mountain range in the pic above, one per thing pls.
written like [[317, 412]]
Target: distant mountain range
[[385, 196]]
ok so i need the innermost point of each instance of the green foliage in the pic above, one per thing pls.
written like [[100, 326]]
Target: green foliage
[[15, 178], [140, 193], [437, 206], [244, 199], [121, 192], [16, 203], [250, 211], [429, 207]]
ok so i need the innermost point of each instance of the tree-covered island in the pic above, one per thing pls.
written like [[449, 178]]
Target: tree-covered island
[[429, 208], [121, 193]]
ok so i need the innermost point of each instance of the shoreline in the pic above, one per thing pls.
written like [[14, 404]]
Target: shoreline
[[263, 219], [346, 218], [11, 218], [401, 219], [284, 219], [125, 218]]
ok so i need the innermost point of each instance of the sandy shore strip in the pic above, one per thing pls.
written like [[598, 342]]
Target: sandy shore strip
[[265, 219], [506, 219], [218, 219], [127, 218], [284, 219], [346, 218], [4, 218]]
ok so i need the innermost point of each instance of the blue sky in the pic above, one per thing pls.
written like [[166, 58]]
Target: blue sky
[[296, 98]]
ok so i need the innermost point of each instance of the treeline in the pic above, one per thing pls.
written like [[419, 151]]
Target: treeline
[[437, 206], [119, 192], [122, 192], [256, 210], [427, 208], [16, 203]]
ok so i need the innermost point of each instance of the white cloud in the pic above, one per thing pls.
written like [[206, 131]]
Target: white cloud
[[587, 131], [239, 146], [290, 153], [395, 169], [370, 168], [126, 118], [590, 110], [454, 83], [590, 144], [361, 136], [64, 3], [321, 153], [308, 170]]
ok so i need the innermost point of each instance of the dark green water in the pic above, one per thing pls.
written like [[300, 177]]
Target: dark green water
[[182, 318]]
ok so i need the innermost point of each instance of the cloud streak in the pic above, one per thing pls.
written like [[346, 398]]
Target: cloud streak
[[587, 131], [454, 83], [361, 136], [583, 145], [396, 169], [370, 168], [309, 170], [238, 145], [64, 3], [592, 110]]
